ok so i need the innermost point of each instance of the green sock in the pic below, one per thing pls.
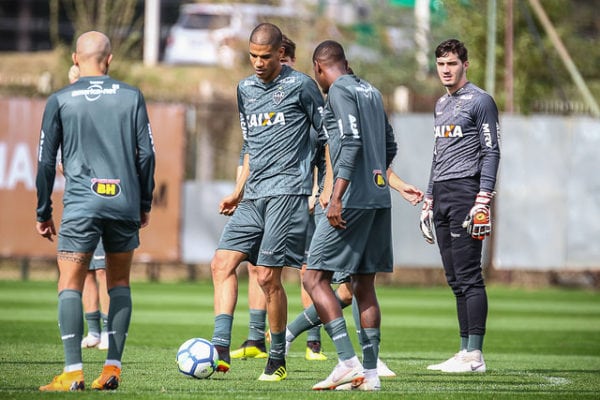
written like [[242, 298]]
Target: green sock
[[303, 322], [277, 348], [104, 318], [314, 334], [475, 342], [338, 333], [464, 342], [222, 330], [93, 323], [70, 322], [257, 325], [119, 316], [370, 347]]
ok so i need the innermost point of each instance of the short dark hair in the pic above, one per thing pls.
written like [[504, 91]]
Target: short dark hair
[[289, 47], [266, 34], [452, 46], [328, 52]]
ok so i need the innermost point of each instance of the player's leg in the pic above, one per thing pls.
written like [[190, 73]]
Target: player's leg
[[91, 310], [99, 263], [313, 334], [254, 345]]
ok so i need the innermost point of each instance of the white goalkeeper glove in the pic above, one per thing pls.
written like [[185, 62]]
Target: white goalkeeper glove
[[426, 220], [479, 220]]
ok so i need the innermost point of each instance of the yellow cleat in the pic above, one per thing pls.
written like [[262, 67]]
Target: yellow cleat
[[109, 379], [65, 382], [275, 371], [223, 366], [250, 349], [314, 356]]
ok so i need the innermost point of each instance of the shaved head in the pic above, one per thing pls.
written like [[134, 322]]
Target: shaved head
[[93, 47], [266, 34]]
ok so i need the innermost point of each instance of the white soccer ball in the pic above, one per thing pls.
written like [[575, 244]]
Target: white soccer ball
[[197, 358]]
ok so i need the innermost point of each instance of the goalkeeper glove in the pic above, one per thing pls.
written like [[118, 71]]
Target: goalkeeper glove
[[426, 221], [479, 221]]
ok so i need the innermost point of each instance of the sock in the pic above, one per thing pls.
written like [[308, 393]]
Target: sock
[[371, 339], [70, 323], [306, 320], [475, 342], [93, 323], [464, 342], [119, 316], [104, 318], [314, 334], [257, 325], [338, 333], [277, 348], [222, 330]]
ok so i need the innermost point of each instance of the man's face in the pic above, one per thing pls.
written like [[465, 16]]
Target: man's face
[[287, 60], [265, 61], [451, 71]]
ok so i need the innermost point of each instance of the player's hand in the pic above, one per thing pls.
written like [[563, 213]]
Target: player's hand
[[479, 221], [228, 204], [426, 220], [46, 229], [334, 214], [412, 194]]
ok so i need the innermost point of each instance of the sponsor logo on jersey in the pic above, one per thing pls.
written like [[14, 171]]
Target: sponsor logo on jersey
[[278, 96], [379, 178], [487, 135], [289, 79], [107, 188], [353, 126], [95, 91], [448, 131], [265, 119]]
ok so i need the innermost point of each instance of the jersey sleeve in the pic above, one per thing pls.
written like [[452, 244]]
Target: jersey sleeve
[[344, 107], [312, 103], [50, 140], [391, 147], [145, 155], [243, 124], [488, 127]]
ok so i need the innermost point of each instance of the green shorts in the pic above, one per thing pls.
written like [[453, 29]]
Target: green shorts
[[271, 231], [364, 247], [98, 259], [82, 235]]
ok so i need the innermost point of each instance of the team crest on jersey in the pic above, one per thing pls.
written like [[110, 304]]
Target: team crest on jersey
[[379, 179], [278, 96], [107, 188]]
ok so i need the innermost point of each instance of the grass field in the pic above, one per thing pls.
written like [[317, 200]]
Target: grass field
[[540, 344]]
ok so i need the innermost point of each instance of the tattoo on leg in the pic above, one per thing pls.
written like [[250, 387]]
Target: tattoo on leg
[[79, 258]]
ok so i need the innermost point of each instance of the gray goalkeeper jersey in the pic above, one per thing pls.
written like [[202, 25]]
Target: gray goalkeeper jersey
[[276, 118], [467, 135], [101, 126], [361, 141]]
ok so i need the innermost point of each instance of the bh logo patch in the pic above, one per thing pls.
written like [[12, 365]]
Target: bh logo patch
[[379, 179], [107, 188]]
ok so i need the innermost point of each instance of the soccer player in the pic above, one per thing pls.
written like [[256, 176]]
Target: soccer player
[[277, 107], [465, 162], [356, 238], [101, 126]]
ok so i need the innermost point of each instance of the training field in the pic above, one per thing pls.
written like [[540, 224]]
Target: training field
[[540, 344]]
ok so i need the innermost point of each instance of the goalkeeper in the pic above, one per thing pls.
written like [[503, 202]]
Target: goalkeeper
[[457, 203]]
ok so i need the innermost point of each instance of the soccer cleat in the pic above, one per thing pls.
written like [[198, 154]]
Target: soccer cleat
[[90, 341], [275, 371], [224, 363], [65, 382], [103, 345], [250, 349], [313, 351], [342, 374], [367, 385], [470, 361], [452, 360], [109, 379], [383, 371]]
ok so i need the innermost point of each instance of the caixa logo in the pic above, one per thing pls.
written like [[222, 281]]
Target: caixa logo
[[108, 188]]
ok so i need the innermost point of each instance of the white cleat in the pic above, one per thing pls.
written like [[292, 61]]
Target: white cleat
[[471, 361], [452, 360], [383, 371], [90, 341], [342, 374], [103, 345], [367, 385]]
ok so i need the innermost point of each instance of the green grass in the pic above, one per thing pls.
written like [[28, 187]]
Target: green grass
[[540, 344]]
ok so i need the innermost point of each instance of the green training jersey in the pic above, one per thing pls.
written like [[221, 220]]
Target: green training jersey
[[276, 118], [362, 144], [101, 126]]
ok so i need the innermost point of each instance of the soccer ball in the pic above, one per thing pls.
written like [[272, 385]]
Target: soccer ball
[[197, 358]]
